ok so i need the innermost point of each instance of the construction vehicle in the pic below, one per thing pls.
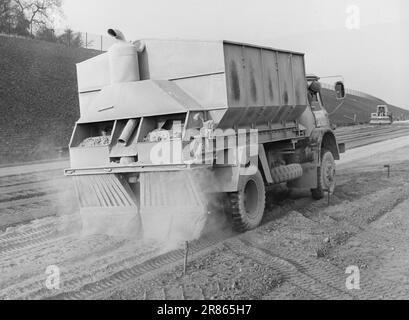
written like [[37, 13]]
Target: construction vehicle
[[167, 126], [382, 116]]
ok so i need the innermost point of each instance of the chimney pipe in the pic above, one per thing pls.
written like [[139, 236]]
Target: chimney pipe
[[123, 59], [118, 35]]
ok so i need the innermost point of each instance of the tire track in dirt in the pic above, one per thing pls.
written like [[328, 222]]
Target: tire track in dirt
[[31, 284], [297, 270], [385, 276], [101, 287], [317, 277], [28, 194], [26, 178], [33, 185], [9, 237], [29, 240], [19, 237], [16, 204], [335, 277]]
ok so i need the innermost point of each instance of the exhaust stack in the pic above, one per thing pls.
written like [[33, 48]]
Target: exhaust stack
[[118, 35], [123, 59]]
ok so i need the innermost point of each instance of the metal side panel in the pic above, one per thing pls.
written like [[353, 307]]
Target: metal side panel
[[263, 85], [300, 81], [259, 76], [86, 100], [89, 157], [176, 59], [171, 205], [94, 73], [270, 75], [138, 99], [208, 90], [235, 76], [285, 75]]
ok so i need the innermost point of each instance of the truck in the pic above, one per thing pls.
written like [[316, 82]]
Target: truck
[[170, 127], [382, 116]]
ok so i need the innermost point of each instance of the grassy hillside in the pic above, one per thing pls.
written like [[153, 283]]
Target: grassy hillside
[[38, 97], [362, 107]]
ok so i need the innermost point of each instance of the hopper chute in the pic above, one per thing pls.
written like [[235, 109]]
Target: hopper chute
[[107, 205], [172, 206]]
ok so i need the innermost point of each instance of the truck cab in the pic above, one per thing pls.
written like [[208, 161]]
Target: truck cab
[[316, 102]]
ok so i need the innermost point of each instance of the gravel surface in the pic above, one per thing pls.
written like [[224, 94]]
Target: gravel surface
[[301, 251]]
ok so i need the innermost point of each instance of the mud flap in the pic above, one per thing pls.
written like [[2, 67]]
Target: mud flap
[[107, 206], [172, 206]]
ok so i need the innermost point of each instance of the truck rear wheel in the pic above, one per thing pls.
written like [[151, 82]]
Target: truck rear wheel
[[248, 203], [326, 175]]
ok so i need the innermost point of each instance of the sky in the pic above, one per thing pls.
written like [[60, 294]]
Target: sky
[[364, 40]]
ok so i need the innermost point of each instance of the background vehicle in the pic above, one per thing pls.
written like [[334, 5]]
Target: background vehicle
[[382, 116]]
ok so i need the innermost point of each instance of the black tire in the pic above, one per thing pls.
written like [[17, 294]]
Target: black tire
[[248, 203], [325, 176], [286, 173]]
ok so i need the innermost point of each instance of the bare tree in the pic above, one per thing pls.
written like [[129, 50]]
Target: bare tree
[[4, 7], [38, 12], [5, 15], [46, 34]]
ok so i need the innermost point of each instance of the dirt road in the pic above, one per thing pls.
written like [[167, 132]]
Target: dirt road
[[35, 191], [304, 248], [361, 135], [301, 251]]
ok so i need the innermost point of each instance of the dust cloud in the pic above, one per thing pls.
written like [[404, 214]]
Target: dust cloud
[[64, 205], [186, 209], [180, 207]]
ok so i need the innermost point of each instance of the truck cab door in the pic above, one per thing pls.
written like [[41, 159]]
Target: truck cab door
[[317, 106]]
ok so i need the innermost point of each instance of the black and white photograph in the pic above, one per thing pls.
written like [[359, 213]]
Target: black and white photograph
[[227, 152]]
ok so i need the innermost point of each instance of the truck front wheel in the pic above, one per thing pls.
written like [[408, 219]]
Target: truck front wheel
[[248, 203], [326, 175]]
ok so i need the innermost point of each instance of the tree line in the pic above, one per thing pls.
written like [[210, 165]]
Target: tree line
[[35, 19]]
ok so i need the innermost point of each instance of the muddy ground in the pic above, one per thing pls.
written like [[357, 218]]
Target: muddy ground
[[304, 247], [301, 251]]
